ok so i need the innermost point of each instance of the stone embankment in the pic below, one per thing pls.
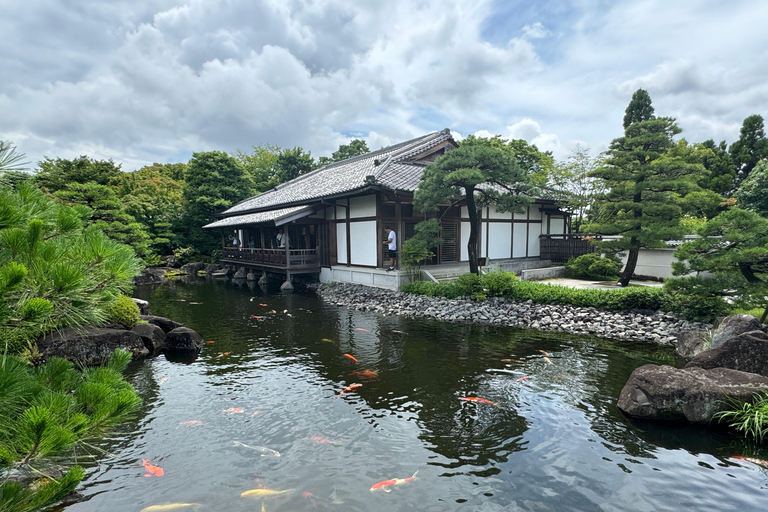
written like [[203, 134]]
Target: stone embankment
[[651, 326]]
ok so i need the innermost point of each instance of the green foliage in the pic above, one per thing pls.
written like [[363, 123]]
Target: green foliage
[[751, 194], [570, 183], [261, 167], [480, 174], [751, 147], [639, 109], [214, 181], [749, 418], [416, 250], [11, 160], [356, 147], [721, 171], [50, 409], [53, 272], [498, 283], [292, 163], [123, 311], [594, 266], [58, 174], [469, 284]]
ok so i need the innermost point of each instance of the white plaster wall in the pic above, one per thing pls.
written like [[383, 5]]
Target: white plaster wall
[[535, 211], [654, 262], [364, 206], [493, 214], [499, 240], [464, 212], [341, 242], [341, 212], [464, 241], [363, 242], [519, 237], [556, 226], [482, 236], [534, 230]]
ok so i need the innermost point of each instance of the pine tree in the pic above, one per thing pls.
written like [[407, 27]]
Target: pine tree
[[751, 147], [639, 109]]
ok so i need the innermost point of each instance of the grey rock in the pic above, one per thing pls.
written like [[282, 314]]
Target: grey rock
[[192, 268], [143, 306], [151, 275], [152, 335], [213, 267], [733, 326], [90, 346], [183, 340], [691, 342], [166, 324], [747, 352], [692, 394]]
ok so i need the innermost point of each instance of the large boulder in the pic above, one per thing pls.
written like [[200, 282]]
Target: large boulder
[[143, 306], [90, 346], [152, 335], [692, 394], [192, 268], [166, 324], [183, 340], [734, 325], [213, 267], [747, 352], [691, 342], [150, 275]]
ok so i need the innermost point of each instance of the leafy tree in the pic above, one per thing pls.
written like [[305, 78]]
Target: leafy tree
[[356, 147], [733, 248], [417, 249], [214, 181], [645, 174], [107, 214], [55, 175], [154, 199], [54, 273], [639, 109], [751, 147], [752, 193], [478, 174], [261, 166], [292, 163], [575, 188], [721, 171], [540, 165]]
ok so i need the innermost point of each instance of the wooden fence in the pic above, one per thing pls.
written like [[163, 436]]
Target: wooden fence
[[561, 248]]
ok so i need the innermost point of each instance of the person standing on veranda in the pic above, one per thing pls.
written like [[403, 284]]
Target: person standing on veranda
[[391, 242]]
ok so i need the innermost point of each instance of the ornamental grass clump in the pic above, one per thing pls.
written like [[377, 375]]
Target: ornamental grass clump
[[748, 418], [52, 410]]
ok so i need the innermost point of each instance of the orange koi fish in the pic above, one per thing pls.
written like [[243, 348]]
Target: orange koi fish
[[263, 305], [351, 357], [322, 440], [234, 410], [367, 374], [351, 387], [387, 485], [521, 379], [361, 329], [191, 422], [181, 300], [759, 462], [222, 355], [477, 399], [544, 352], [210, 342], [255, 317], [151, 470], [548, 360], [507, 360]]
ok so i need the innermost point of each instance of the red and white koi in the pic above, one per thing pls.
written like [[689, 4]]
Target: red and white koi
[[521, 379], [477, 399], [388, 485], [759, 462], [234, 410], [544, 352], [349, 388], [361, 329], [190, 422]]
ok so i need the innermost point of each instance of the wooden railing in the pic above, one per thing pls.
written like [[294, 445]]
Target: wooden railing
[[272, 257], [561, 248]]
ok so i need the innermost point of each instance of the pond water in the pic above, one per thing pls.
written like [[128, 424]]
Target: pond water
[[553, 441]]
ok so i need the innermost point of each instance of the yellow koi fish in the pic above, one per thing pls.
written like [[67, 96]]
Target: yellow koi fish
[[169, 507], [264, 493]]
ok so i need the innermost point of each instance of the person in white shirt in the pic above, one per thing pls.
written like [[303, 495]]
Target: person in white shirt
[[391, 242], [280, 237]]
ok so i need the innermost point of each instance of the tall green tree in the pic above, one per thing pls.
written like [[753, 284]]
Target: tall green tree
[[261, 166], [56, 174], [721, 171], [752, 193], [540, 165], [356, 147], [479, 175], [751, 147], [292, 163], [645, 181], [639, 109], [573, 186], [213, 182]]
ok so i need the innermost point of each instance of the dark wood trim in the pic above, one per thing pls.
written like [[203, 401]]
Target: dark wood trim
[[399, 232], [349, 236], [527, 230]]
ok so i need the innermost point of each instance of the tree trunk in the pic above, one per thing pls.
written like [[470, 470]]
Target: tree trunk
[[472, 243], [629, 268]]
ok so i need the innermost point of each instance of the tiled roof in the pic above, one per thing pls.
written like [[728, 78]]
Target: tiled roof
[[388, 165], [259, 218]]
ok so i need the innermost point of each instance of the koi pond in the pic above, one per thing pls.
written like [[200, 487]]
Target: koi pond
[[269, 417]]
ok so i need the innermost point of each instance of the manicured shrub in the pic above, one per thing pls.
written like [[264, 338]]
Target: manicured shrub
[[124, 312], [498, 283], [594, 266], [469, 284]]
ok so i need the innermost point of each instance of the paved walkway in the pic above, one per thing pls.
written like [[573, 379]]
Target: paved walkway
[[599, 285]]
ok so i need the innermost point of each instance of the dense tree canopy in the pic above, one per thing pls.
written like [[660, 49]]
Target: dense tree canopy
[[261, 167], [639, 109], [478, 174], [751, 147], [356, 147], [292, 163], [752, 193], [57, 174]]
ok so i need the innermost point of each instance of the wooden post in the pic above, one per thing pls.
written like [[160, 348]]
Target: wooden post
[[287, 285], [398, 230], [349, 236]]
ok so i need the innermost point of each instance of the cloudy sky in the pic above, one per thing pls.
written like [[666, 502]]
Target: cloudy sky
[[143, 81]]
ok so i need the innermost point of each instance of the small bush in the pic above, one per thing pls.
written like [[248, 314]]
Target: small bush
[[469, 284], [749, 418], [498, 283], [124, 312], [594, 266]]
